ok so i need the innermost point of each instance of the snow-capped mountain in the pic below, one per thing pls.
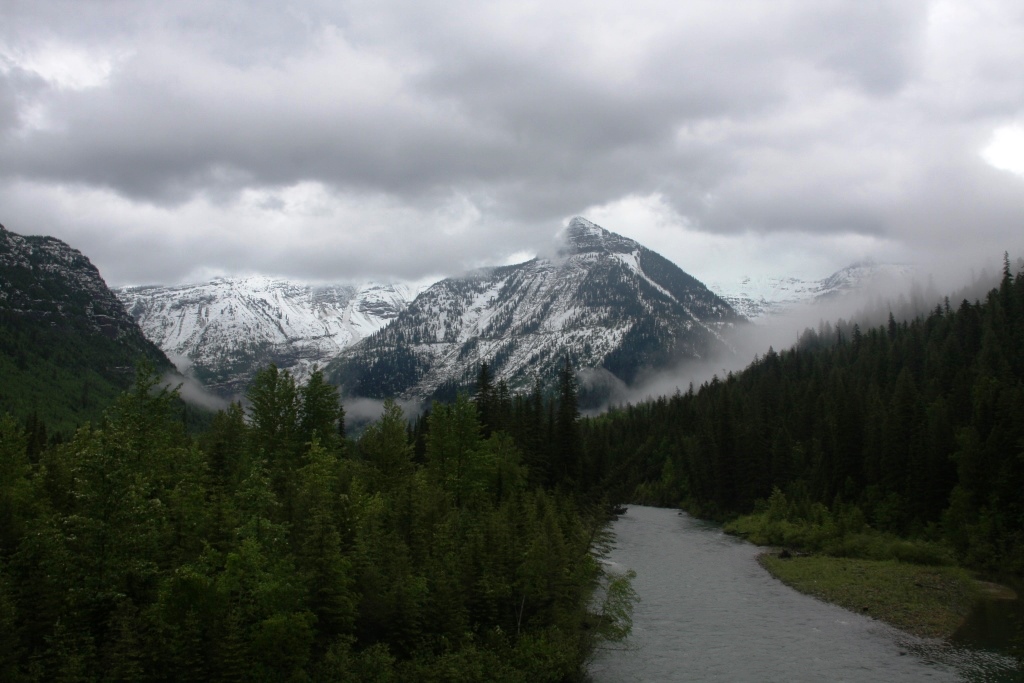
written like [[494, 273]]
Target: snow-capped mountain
[[605, 301], [221, 332], [759, 298]]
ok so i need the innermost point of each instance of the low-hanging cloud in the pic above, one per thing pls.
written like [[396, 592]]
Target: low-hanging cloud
[[193, 392], [361, 412], [905, 295]]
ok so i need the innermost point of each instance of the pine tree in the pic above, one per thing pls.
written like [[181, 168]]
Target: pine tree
[[274, 416], [485, 399], [327, 572], [10, 643], [274, 434], [224, 443], [321, 414], [15, 486], [385, 444], [453, 443]]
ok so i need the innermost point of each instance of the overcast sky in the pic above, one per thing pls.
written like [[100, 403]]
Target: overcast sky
[[403, 139]]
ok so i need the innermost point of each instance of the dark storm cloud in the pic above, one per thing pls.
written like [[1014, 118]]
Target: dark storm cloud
[[460, 132], [481, 110]]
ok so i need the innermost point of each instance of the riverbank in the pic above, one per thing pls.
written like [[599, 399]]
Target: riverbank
[[708, 614], [927, 601]]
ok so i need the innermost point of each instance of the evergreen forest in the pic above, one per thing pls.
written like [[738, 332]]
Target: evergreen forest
[[272, 547], [911, 431]]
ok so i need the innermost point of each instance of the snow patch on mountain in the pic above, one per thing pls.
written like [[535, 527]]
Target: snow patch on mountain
[[221, 332], [603, 301], [760, 298]]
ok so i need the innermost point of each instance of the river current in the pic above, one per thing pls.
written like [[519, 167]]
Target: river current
[[709, 612]]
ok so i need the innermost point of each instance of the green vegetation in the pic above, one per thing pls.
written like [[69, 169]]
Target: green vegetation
[[909, 583], [905, 440], [67, 347], [271, 547], [926, 601], [893, 455], [63, 376], [842, 532]]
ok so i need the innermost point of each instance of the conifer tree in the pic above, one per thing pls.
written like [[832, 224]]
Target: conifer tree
[[385, 444], [10, 644], [485, 399], [321, 414], [453, 443]]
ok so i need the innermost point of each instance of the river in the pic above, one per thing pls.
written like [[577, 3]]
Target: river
[[709, 612]]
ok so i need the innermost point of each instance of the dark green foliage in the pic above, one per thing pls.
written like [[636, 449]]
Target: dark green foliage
[[271, 548], [10, 645], [382, 373], [567, 455], [916, 425]]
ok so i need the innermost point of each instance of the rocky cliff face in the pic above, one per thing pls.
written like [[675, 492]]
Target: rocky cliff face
[[221, 332], [44, 279], [606, 302]]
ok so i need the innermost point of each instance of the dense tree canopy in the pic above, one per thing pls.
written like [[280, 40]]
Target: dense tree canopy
[[270, 547], [917, 424]]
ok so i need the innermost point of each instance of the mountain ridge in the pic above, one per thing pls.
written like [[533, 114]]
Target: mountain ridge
[[222, 331]]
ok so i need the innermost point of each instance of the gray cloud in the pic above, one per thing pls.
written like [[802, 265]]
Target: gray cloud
[[397, 138], [8, 107]]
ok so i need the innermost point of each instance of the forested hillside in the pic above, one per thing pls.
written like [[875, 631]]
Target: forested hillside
[[272, 547], [67, 346], [912, 427]]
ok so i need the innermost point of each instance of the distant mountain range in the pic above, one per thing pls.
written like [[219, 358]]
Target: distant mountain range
[[220, 332], [760, 298], [606, 302]]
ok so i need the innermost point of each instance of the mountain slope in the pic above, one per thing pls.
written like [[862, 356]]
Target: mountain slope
[[605, 301], [68, 345], [221, 332]]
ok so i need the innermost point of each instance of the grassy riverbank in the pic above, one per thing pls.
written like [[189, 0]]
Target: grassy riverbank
[[926, 601], [913, 584]]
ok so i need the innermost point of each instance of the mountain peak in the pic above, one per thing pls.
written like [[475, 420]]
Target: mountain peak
[[581, 223], [608, 303], [583, 236]]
